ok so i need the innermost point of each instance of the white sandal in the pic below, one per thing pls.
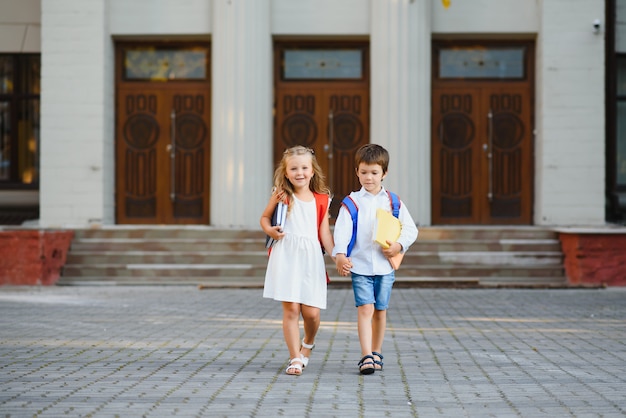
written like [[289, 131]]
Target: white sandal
[[305, 360], [295, 364]]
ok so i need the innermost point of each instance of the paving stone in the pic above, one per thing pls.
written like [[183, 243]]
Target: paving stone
[[179, 351]]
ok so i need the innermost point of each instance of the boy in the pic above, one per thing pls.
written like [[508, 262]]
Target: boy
[[372, 274]]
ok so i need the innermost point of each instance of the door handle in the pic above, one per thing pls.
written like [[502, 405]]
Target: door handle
[[171, 148], [488, 148]]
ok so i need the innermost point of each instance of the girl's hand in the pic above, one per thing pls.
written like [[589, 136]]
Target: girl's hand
[[277, 232], [280, 194], [266, 217]]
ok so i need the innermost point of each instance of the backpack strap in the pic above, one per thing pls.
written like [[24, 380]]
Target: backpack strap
[[394, 200], [321, 201], [353, 209]]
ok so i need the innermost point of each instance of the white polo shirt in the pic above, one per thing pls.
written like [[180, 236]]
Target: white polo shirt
[[367, 256]]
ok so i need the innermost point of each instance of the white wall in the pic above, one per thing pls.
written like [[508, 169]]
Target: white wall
[[241, 112], [485, 16], [163, 17], [400, 47], [570, 142], [20, 25], [320, 17], [76, 114]]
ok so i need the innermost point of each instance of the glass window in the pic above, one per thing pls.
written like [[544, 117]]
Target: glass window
[[475, 62], [149, 63], [6, 74], [5, 141], [30, 75], [28, 141], [620, 26], [19, 119], [621, 143], [620, 146], [323, 64], [621, 77]]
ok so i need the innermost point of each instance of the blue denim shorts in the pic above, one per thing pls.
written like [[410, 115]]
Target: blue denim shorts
[[373, 289]]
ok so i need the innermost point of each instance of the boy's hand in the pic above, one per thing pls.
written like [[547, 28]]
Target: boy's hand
[[394, 248], [343, 265]]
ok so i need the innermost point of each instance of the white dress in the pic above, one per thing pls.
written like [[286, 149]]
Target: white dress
[[296, 270]]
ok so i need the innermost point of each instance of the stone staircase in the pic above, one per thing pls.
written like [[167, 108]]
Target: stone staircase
[[213, 257]]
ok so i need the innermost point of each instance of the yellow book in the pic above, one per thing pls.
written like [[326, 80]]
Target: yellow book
[[387, 228]]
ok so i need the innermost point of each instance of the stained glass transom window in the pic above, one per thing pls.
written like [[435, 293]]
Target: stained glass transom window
[[155, 64], [316, 64], [498, 63]]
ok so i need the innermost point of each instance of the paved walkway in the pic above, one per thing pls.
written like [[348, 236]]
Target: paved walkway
[[180, 351]]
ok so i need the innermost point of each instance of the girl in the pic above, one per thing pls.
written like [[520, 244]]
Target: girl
[[296, 272]]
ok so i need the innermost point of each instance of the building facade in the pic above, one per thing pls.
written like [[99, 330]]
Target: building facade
[[176, 112]]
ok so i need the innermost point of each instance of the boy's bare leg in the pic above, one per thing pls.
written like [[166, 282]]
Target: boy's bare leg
[[379, 325], [364, 326], [291, 328], [311, 319]]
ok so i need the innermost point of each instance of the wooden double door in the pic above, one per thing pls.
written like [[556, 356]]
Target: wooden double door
[[482, 132], [163, 153], [482, 154]]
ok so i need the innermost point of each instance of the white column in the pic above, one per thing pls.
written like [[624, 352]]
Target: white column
[[76, 114], [241, 136], [400, 97], [570, 114]]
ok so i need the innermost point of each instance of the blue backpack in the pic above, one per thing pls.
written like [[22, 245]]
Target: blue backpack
[[351, 206]]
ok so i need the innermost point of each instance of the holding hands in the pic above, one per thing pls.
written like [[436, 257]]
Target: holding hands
[[343, 264]]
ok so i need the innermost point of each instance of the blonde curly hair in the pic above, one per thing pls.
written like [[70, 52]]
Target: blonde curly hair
[[282, 184]]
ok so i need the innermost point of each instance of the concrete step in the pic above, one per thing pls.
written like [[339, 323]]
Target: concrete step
[[209, 233], [222, 269], [84, 245], [260, 257], [168, 244], [240, 282], [236, 257]]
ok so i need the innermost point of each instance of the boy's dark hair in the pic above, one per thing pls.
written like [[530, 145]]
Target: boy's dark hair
[[372, 154]]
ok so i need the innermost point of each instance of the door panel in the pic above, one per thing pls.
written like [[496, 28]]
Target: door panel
[[481, 154], [510, 136], [456, 157], [333, 121], [162, 149]]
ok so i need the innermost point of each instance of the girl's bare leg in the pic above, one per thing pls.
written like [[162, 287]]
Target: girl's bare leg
[[311, 319], [291, 328]]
